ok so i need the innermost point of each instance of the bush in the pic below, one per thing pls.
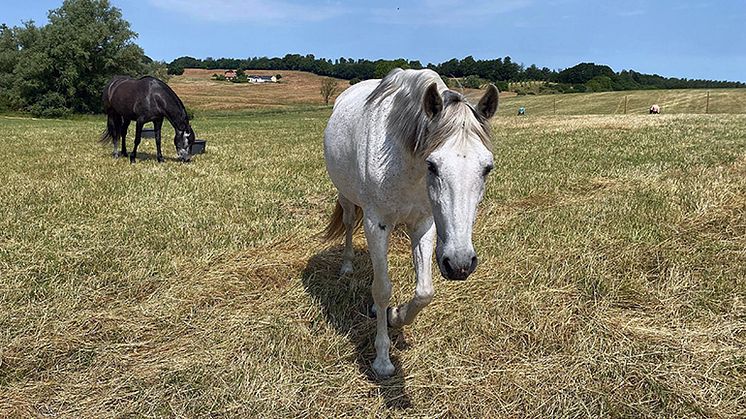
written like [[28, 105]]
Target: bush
[[501, 86], [175, 69], [579, 88], [157, 69], [355, 81], [473, 82], [51, 105], [600, 84]]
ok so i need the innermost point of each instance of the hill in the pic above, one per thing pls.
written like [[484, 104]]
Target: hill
[[296, 88], [677, 101], [301, 89]]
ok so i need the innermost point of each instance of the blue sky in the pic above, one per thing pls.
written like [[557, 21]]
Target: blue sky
[[694, 39]]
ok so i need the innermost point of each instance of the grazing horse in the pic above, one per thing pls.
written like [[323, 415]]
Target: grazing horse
[[655, 109], [144, 100], [406, 150]]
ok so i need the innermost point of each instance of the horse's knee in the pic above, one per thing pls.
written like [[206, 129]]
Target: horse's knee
[[423, 297], [381, 294]]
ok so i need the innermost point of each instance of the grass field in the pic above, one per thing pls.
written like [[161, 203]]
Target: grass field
[[612, 279], [691, 101], [300, 89], [296, 89]]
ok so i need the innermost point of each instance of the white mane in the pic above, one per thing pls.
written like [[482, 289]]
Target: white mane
[[408, 121]]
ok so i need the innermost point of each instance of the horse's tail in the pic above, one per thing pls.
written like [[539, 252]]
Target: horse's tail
[[336, 227], [107, 137]]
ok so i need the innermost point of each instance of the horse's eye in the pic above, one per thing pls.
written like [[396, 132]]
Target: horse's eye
[[432, 168], [487, 170]]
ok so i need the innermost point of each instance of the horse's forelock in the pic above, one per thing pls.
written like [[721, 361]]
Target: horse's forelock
[[407, 119], [457, 120]]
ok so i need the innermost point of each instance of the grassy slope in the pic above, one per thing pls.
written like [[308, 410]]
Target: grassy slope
[[611, 283], [693, 101], [296, 88], [301, 89]]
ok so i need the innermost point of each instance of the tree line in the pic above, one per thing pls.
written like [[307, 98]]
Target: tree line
[[580, 78]]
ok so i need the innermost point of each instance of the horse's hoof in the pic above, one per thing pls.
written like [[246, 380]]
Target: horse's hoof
[[161, 160], [132, 159], [124, 154], [346, 268], [383, 368], [115, 155]]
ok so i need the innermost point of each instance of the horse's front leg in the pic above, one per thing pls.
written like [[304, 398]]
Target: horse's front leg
[[377, 234], [138, 134], [157, 124], [423, 242], [124, 126]]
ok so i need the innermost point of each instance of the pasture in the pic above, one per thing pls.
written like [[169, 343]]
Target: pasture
[[684, 101], [296, 89], [612, 279]]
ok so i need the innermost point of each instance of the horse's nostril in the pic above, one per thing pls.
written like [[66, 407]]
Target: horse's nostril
[[474, 263], [447, 265]]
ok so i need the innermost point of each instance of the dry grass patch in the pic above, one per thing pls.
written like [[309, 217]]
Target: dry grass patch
[[612, 278], [296, 88]]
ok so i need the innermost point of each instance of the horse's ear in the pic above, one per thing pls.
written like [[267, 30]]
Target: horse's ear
[[432, 103], [488, 104]]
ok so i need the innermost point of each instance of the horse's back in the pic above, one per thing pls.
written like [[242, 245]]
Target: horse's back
[[137, 98], [345, 139]]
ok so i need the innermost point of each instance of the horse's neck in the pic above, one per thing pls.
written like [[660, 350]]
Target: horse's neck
[[388, 156], [176, 116]]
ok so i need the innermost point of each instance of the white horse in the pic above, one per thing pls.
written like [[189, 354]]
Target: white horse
[[406, 150]]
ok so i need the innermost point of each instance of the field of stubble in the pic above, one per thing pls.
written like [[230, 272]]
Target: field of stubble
[[612, 279]]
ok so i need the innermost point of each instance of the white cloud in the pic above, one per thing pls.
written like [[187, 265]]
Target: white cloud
[[631, 13], [260, 11]]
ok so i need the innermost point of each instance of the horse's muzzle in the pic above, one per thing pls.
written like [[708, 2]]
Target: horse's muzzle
[[458, 269], [184, 156]]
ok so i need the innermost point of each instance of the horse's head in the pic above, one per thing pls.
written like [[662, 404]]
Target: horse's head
[[183, 140], [458, 160]]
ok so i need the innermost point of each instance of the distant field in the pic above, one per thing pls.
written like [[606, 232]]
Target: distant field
[[612, 280], [301, 89], [296, 88], [694, 101]]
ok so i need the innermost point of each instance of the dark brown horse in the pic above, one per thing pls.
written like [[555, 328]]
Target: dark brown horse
[[144, 100]]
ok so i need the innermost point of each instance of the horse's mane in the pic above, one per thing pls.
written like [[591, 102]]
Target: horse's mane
[[407, 120]]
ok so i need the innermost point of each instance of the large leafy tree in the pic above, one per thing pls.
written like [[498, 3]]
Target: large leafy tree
[[63, 65]]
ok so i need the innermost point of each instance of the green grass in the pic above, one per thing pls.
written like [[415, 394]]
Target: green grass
[[688, 101], [612, 281]]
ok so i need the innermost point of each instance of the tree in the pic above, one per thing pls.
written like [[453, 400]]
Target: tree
[[383, 67], [472, 82], [63, 66], [328, 89], [157, 69], [583, 73], [599, 84]]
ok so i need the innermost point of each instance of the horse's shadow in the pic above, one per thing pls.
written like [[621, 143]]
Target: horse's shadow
[[345, 302], [144, 156]]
